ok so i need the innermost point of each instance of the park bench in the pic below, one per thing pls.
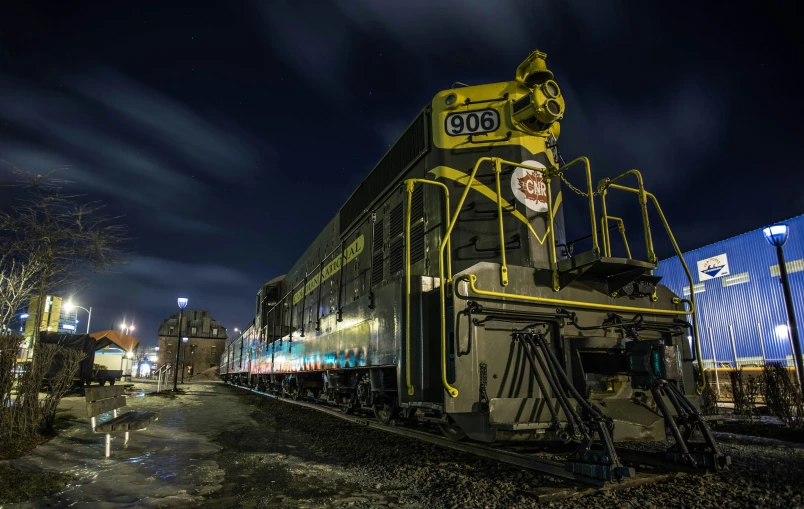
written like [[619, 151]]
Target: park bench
[[101, 400]]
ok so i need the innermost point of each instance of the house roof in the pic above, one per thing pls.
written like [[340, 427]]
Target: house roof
[[124, 341]]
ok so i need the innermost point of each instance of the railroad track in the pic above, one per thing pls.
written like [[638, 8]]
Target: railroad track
[[570, 485]]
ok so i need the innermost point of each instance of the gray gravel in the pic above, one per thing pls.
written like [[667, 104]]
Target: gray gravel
[[292, 456]]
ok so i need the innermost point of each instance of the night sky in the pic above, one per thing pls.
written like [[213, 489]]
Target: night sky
[[229, 133]]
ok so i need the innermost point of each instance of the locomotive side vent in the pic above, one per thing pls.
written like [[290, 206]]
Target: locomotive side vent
[[406, 151], [417, 229], [396, 224], [417, 242], [377, 257], [417, 203], [397, 256]]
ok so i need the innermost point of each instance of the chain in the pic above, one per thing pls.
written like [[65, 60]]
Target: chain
[[573, 188], [552, 143]]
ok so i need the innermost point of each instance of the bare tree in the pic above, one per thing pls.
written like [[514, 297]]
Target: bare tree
[[49, 239]]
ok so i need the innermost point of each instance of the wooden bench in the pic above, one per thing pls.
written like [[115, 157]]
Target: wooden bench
[[101, 400]]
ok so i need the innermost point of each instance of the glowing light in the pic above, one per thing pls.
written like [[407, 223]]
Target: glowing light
[[183, 302], [69, 306], [781, 331], [777, 234]]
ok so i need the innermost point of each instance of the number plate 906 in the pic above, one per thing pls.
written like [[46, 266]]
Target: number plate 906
[[472, 122]]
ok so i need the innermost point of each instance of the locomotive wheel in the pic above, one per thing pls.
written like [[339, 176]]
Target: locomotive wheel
[[452, 430], [384, 411], [346, 403]]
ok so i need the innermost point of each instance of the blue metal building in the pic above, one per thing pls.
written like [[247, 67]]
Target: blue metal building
[[741, 311]]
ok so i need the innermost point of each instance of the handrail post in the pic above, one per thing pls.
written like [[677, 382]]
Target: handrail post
[[621, 227], [553, 257], [590, 196], [643, 202], [603, 189], [696, 337], [409, 183], [503, 266], [409, 189], [452, 391], [604, 184]]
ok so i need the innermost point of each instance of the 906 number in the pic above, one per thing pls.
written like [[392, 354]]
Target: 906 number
[[472, 122]]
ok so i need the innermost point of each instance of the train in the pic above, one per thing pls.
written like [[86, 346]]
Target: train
[[445, 291]]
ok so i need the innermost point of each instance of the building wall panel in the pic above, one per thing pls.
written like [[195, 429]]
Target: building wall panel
[[747, 311]]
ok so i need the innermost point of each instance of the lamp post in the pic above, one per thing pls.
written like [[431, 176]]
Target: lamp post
[[70, 306], [777, 235], [184, 358], [157, 358], [182, 301], [126, 328]]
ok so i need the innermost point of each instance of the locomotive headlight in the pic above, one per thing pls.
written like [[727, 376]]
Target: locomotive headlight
[[450, 100], [537, 111], [550, 89]]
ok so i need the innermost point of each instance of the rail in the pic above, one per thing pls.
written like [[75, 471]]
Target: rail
[[547, 175], [162, 374], [506, 453]]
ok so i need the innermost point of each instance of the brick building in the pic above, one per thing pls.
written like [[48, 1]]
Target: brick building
[[206, 338]]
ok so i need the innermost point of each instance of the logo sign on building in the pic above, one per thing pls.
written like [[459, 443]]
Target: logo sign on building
[[529, 187], [717, 266]]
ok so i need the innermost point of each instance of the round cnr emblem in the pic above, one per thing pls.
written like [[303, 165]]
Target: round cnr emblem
[[529, 187]]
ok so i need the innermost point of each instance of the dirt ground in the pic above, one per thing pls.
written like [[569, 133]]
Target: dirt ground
[[218, 446]]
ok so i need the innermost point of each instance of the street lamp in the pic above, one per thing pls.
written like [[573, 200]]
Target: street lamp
[[777, 235], [182, 301], [70, 306], [184, 358], [127, 328]]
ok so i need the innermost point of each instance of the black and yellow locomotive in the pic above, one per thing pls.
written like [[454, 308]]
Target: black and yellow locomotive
[[444, 291]]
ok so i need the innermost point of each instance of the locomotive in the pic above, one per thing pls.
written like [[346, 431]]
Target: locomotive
[[445, 291]]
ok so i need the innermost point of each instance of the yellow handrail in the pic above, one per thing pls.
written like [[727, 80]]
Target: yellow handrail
[[606, 241], [550, 212], [452, 391], [471, 278], [590, 195], [503, 266], [691, 301], [547, 174], [603, 186], [409, 185]]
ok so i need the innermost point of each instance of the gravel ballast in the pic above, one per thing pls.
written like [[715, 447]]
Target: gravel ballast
[[293, 456]]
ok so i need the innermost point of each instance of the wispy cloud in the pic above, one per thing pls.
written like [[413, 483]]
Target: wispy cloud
[[127, 141], [148, 286]]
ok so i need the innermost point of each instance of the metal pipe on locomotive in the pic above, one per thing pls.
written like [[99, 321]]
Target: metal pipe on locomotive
[[438, 293]]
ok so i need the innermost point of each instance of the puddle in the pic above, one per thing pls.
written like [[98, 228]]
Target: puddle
[[170, 463]]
